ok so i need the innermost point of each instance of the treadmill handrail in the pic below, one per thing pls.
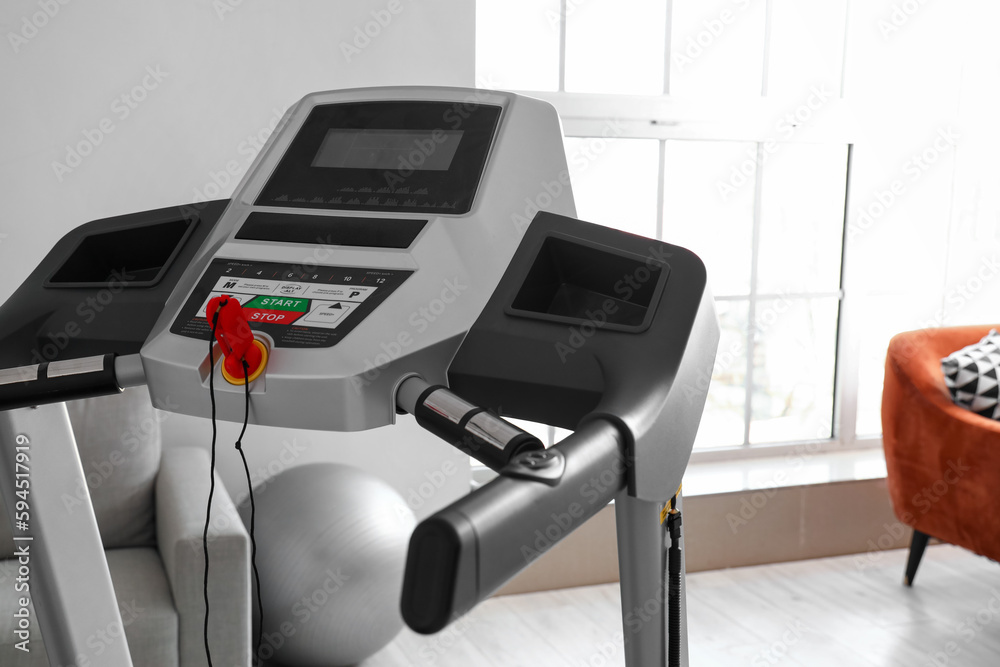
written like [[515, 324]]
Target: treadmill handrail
[[464, 553]]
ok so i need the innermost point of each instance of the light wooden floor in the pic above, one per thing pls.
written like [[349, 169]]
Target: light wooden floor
[[833, 611]]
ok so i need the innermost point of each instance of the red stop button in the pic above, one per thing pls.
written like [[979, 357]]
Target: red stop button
[[267, 316]]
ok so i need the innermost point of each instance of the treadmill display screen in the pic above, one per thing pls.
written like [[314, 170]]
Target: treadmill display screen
[[406, 157], [388, 149]]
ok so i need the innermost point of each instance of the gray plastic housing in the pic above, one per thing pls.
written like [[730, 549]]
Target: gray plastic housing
[[592, 329], [456, 261], [590, 322]]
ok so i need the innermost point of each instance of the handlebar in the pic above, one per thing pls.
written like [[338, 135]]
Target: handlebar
[[467, 551]]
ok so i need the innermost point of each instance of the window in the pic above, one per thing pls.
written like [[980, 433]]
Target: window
[[717, 126]]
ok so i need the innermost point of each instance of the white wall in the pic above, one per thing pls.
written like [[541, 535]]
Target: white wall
[[226, 70]]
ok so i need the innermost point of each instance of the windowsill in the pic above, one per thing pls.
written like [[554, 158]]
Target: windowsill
[[794, 467], [731, 522], [791, 469]]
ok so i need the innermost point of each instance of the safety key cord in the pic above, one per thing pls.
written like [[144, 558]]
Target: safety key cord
[[673, 526], [211, 487], [253, 511]]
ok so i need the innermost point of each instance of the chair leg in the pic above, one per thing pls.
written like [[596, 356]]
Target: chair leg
[[917, 546]]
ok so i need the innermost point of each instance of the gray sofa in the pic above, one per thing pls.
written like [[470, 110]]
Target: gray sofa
[[150, 508]]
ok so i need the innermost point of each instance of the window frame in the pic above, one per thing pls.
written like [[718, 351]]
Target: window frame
[[737, 119]]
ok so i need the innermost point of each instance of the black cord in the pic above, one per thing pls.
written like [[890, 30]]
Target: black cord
[[211, 488], [675, 582], [253, 511]]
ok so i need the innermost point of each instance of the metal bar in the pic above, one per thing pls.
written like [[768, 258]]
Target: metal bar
[[660, 188], [19, 374], [848, 350], [488, 438], [67, 571], [728, 119], [642, 570], [58, 381], [766, 61], [667, 45], [843, 53], [752, 309], [761, 296], [562, 45]]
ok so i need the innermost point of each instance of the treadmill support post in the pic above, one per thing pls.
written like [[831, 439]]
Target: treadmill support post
[[69, 582], [642, 567]]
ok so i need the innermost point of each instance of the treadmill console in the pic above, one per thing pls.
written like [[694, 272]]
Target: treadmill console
[[412, 197]]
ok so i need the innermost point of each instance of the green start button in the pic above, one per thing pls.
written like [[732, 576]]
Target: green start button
[[279, 303]]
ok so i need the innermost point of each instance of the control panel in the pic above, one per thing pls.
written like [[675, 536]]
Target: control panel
[[296, 308]]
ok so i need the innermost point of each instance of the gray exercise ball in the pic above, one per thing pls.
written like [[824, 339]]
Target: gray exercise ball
[[331, 549]]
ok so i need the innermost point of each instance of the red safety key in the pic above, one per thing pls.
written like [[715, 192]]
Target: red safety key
[[236, 340]]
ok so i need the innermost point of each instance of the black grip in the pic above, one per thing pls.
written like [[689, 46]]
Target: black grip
[[465, 552], [43, 389]]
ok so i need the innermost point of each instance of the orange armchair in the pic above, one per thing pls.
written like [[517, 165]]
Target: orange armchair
[[943, 461]]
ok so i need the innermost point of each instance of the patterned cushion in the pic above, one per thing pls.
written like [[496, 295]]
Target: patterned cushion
[[971, 376]]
